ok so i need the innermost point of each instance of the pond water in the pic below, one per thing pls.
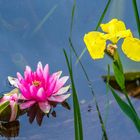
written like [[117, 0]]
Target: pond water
[[29, 35]]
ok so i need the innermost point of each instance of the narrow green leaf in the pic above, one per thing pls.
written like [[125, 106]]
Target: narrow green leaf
[[118, 71], [135, 8], [97, 26], [3, 106], [127, 109], [103, 15], [89, 82], [72, 17], [92, 91], [76, 106], [118, 75]]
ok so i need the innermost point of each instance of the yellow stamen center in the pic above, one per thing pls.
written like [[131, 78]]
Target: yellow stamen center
[[36, 83]]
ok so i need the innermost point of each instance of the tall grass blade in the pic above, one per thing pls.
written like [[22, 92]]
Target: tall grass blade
[[38, 27], [135, 8], [76, 106], [92, 91], [72, 17], [96, 28], [85, 73]]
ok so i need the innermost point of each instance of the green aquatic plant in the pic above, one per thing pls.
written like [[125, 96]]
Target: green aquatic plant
[[76, 106], [72, 49], [96, 44]]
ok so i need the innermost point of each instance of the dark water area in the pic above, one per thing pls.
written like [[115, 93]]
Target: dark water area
[[28, 35]]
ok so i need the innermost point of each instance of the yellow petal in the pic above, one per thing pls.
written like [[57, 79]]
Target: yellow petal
[[95, 44], [116, 36], [113, 26], [131, 48], [125, 33]]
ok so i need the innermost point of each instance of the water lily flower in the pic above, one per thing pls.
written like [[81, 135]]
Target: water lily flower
[[96, 42], [42, 88], [12, 97]]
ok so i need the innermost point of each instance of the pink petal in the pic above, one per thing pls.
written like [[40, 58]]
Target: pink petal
[[21, 97], [39, 70], [46, 72], [39, 65], [27, 104], [14, 109], [60, 83], [33, 91], [41, 94], [51, 87], [56, 75], [24, 92], [19, 76], [59, 99], [27, 74], [62, 90], [45, 106]]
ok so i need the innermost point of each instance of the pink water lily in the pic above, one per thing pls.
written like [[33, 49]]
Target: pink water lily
[[42, 88], [12, 97]]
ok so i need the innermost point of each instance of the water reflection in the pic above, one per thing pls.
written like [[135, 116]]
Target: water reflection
[[132, 82], [12, 129], [9, 129]]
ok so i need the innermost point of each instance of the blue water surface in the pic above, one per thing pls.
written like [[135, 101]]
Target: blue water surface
[[28, 35]]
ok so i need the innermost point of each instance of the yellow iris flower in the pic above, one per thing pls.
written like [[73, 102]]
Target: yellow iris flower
[[114, 30]]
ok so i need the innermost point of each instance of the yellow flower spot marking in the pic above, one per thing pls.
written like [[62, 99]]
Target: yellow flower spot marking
[[36, 83]]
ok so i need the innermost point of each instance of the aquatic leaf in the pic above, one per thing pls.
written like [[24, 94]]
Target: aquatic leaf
[[118, 71], [85, 73], [76, 106], [127, 109], [72, 17], [135, 8], [3, 106], [92, 91]]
